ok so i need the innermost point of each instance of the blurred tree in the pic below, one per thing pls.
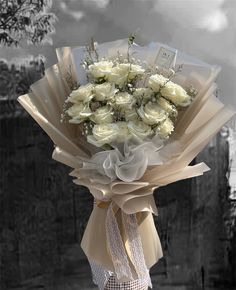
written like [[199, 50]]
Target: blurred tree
[[25, 20]]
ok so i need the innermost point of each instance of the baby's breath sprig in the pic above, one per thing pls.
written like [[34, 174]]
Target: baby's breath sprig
[[130, 86], [192, 92], [88, 57], [139, 100], [86, 62], [118, 115], [172, 73], [168, 73], [148, 73], [64, 115], [131, 39], [175, 71], [92, 54], [154, 97], [94, 50], [119, 58], [87, 128], [72, 83]]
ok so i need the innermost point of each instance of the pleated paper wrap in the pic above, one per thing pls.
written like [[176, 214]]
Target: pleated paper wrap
[[195, 127]]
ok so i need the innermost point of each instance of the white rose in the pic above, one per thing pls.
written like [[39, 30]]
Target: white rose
[[131, 115], [119, 75], [139, 130], [124, 100], [79, 112], [167, 106], [176, 94], [144, 93], [165, 128], [105, 133], [82, 94], [156, 81], [135, 70], [123, 132], [101, 69], [102, 115], [152, 114], [104, 91], [124, 72]]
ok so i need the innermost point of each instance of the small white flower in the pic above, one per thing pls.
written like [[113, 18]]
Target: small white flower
[[152, 114], [82, 94], [101, 69]]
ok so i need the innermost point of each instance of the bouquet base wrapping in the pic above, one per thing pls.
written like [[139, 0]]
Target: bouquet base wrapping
[[97, 247]]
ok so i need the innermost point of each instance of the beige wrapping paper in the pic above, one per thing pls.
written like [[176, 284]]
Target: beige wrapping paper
[[195, 127], [94, 240]]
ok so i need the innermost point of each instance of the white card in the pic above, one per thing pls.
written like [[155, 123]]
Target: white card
[[166, 58]]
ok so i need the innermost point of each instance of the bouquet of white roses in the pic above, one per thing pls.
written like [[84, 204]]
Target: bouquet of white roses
[[127, 119], [124, 99]]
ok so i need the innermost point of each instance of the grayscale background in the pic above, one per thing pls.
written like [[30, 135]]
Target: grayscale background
[[43, 214]]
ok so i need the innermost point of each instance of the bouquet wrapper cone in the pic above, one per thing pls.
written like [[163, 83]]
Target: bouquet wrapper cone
[[131, 201], [94, 241]]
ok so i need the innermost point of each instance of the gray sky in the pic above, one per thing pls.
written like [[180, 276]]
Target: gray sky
[[203, 28]]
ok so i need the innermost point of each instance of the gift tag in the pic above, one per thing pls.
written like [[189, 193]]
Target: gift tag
[[166, 58]]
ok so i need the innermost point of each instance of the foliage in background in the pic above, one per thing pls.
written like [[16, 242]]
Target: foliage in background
[[15, 81], [25, 20]]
